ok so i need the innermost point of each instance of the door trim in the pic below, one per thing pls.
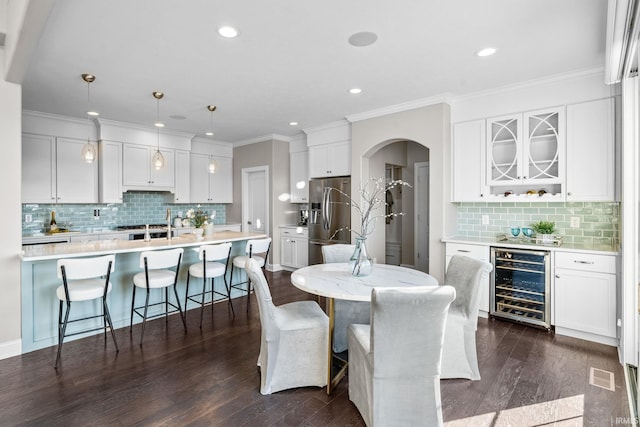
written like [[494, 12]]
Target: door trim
[[245, 191], [419, 192]]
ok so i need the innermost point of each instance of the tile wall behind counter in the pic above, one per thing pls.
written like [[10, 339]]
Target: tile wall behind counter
[[137, 208], [599, 221]]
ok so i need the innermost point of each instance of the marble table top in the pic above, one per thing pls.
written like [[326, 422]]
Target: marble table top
[[335, 280]]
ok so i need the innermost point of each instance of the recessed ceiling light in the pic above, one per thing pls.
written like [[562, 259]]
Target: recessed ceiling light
[[228, 32], [364, 38], [93, 113], [209, 133], [355, 90], [487, 51], [293, 123], [159, 125]]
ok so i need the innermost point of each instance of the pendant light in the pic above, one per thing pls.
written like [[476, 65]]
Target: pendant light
[[213, 164], [158, 158], [89, 153]]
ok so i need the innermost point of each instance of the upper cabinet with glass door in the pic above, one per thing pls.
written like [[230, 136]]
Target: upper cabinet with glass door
[[525, 153]]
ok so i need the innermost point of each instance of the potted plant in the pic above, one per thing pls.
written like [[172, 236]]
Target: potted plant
[[544, 231]]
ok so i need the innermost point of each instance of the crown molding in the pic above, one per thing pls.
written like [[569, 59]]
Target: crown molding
[[125, 125], [572, 75], [263, 138], [326, 126], [398, 108], [52, 116]]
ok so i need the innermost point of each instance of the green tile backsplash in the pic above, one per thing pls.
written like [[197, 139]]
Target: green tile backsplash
[[138, 207], [599, 221]]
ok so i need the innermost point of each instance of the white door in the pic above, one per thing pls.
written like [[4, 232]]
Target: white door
[[421, 229], [255, 201]]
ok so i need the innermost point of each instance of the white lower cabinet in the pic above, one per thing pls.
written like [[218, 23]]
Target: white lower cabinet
[[294, 247], [480, 252], [585, 296]]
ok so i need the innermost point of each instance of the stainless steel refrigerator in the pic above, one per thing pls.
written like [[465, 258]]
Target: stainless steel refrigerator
[[329, 214]]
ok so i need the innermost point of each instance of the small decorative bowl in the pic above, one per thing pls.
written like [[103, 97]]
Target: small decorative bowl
[[515, 231], [528, 232]]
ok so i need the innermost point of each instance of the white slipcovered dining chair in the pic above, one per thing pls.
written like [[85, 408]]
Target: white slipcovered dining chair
[[256, 249], [459, 355], [214, 262], [294, 339], [345, 312], [84, 279], [394, 364]]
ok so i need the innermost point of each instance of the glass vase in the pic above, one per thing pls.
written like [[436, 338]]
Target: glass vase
[[360, 262]]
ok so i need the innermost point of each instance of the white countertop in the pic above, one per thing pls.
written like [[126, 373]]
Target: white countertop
[[522, 244], [103, 247]]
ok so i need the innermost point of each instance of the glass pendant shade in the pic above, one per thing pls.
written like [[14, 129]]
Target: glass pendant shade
[[213, 165], [158, 160], [89, 152]]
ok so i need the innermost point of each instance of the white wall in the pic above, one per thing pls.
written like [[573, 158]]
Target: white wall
[[429, 126], [10, 216]]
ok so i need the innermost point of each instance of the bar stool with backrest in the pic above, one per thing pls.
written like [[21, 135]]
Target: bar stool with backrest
[[84, 279], [256, 249], [157, 274], [214, 263]]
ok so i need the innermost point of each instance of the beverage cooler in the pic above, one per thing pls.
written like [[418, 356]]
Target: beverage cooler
[[520, 286]]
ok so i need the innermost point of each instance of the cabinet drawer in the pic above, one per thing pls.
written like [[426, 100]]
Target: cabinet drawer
[[294, 232], [586, 262], [480, 252]]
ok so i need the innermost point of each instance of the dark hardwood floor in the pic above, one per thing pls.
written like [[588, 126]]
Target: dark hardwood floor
[[209, 377]]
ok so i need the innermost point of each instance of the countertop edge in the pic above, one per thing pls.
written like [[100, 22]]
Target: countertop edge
[[599, 249], [52, 251]]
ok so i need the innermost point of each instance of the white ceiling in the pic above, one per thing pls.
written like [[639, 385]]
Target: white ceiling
[[292, 61]]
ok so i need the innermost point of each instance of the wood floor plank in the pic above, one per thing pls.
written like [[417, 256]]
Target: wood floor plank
[[208, 377]]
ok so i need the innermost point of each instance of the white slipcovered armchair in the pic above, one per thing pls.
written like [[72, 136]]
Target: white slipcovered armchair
[[345, 312], [294, 339], [394, 364], [459, 356]]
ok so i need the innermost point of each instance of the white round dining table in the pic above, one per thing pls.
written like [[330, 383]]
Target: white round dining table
[[335, 281]]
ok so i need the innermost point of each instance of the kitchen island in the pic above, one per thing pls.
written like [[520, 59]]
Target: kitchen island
[[40, 280]]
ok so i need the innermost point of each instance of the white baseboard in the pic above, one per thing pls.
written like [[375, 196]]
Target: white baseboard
[[10, 349]]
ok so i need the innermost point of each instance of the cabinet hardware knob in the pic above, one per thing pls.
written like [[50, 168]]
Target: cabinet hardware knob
[[569, 193], [557, 276]]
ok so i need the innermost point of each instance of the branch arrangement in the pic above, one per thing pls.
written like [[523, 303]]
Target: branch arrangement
[[372, 197]]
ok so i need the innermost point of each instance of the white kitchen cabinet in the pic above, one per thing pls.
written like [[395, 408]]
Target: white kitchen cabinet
[[585, 296], [468, 162], [110, 172], [526, 149], [330, 159], [38, 169], [182, 192], [211, 187], [480, 252], [591, 151], [299, 177], [53, 171], [294, 247], [138, 172]]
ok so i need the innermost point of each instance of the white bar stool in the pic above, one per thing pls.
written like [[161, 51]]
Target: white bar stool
[[84, 279], [257, 249], [157, 275], [210, 268]]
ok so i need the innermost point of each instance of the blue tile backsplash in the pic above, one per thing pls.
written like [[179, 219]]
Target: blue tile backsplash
[[138, 207], [599, 221]]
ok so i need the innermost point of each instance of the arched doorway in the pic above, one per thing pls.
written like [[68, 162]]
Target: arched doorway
[[397, 159]]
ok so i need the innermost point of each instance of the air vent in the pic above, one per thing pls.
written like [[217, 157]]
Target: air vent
[[601, 378]]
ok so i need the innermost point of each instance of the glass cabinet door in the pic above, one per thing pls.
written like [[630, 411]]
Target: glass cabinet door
[[543, 146], [504, 150]]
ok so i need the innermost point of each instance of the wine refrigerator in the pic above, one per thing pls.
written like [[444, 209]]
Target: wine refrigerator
[[520, 286]]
